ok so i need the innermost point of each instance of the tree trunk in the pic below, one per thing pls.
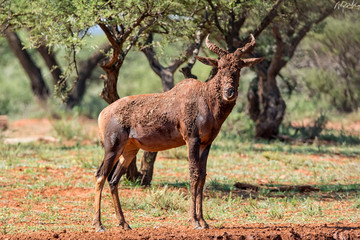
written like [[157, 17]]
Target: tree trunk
[[38, 85], [266, 106], [49, 58], [147, 167], [109, 92], [85, 70], [167, 80], [253, 100], [132, 173]]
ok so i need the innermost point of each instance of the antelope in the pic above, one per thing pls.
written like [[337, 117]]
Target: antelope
[[191, 113]]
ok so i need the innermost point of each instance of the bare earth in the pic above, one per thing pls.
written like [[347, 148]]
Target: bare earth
[[254, 231], [340, 230]]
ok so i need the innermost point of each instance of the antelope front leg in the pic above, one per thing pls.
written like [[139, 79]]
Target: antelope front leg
[[204, 153], [193, 151]]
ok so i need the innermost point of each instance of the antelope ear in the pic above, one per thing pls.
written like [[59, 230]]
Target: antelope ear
[[208, 61], [247, 62]]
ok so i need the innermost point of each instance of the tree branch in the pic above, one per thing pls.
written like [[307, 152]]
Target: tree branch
[[49, 57], [133, 26], [134, 40], [186, 71], [267, 19], [38, 84], [274, 67], [150, 54], [216, 18], [117, 47], [304, 30], [109, 35], [176, 63], [264, 23], [85, 70]]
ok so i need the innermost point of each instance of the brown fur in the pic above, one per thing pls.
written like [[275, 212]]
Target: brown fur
[[191, 113]]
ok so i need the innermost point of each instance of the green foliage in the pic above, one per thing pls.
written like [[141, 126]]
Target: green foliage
[[166, 200], [4, 219], [335, 55], [128, 182], [66, 24], [311, 209], [15, 90], [238, 126], [69, 129], [276, 213], [291, 20]]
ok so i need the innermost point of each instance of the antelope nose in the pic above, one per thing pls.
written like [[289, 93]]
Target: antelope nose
[[229, 94]]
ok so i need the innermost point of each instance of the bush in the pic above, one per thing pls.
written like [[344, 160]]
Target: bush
[[69, 129], [334, 53]]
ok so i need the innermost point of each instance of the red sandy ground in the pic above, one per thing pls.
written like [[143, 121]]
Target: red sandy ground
[[254, 231], [340, 230]]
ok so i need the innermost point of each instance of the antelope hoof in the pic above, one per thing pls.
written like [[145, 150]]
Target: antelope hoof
[[197, 225], [125, 226], [100, 228], [204, 225], [98, 225]]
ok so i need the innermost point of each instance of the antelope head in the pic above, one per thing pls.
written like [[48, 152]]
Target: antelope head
[[229, 66]]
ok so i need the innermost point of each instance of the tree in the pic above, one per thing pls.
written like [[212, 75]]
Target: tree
[[296, 19], [279, 26], [38, 84], [66, 23], [21, 15], [41, 91], [332, 62]]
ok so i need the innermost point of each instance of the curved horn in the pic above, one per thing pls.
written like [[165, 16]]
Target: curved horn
[[215, 49], [240, 52]]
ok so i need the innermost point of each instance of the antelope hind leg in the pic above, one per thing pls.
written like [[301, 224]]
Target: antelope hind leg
[[100, 177], [120, 169], [113, 149]]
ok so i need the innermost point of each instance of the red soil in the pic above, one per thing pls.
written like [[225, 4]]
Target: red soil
[[253, 231]]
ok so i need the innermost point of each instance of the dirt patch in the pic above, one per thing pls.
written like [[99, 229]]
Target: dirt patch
[[254, 231], [282, 188], [349, 127], [42, 130]]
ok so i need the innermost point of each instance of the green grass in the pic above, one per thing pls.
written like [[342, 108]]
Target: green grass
[[50, 187]]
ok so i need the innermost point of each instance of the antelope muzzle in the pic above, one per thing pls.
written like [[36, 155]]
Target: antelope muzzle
[[229, 94]]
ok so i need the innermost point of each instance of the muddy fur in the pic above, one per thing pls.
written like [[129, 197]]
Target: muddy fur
[[171, 115]]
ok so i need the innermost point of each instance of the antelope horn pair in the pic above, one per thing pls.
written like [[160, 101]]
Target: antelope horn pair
[[240, 52]]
